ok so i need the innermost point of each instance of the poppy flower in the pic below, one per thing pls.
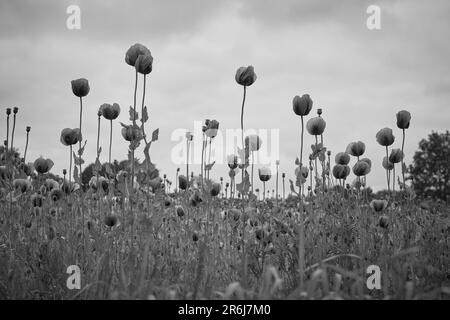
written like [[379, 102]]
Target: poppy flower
[[51, 184], [245, 76], [356, 149], [368, 161], [403, 119], [134, 52], [385, 137], [387, 164], [378, 205], [144, 63], [342, 158], [182, 182], [304, 171], [264, 174], [131, 133], [253, 142], [302, 105], [341, 171], [110, 112], [56, 194], [80, 87], [361, 168], [232, 161], [70, 136], [42, 165], [396, 156], [110, 220], [97, 182], [316, 126], [215, 189], [383, 222], [211, 128]]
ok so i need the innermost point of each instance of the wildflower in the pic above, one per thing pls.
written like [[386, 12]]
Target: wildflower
[[378, 205], [134, 52], [144, 63], [110, 220], [387, 164], [316, 126], [264, 174], [356, 149], [70, 136], [245, 76], [403, 119], [396, 156], [253, 142], [302, 105], [80, 87], [342, 158], [385, 137], [383, 222], [110, 112], [42, 165], [341, 171], [361, 168], [368, 161], [211, 128], [131, 133], [23, 185], [232, 161], [51, 184]]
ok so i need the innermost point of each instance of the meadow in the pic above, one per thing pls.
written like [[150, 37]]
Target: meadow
[[135, 234]]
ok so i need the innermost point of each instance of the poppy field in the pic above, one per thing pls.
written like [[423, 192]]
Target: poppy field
[[138, 233]]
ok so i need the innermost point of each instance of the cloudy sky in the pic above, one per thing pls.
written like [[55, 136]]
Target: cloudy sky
[[359, 77]]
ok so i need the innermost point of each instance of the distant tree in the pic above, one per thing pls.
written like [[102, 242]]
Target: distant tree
[[430, 171]]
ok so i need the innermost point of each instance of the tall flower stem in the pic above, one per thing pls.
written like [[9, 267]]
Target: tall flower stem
[[134, 125], [276, 187], [13, 130], [315, 163], [26, 147], [187, 162], [264, 190], [79, 151], [283, 190], [242, 133], [7, 132], [301, 154], [253, 164], [387, 171], [70, 167], [403, 165], [110, 141], [98, 147]]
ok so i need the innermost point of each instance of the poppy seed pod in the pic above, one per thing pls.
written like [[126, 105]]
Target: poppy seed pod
[[396, 156], [134, 52], [80, 87], [110, 220], [342, 158], [387, 164], [378, 205], [232, 161], [341, 171], [42, 165], [403, 119], [253, 142], [316, 126], [368, 161], [110, 112], [385, 137], [212, 128], [264, 174], [356, 149], [361, 168], [70, 136], [215, 189], [182, 182], [245, 76], [144, 63], [302, 105]]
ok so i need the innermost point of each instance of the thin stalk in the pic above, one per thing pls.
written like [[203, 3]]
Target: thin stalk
[[7, 132], [387, 171], [134, 124], [81, 116], [12, 133], [276, 187], [110, 141], [403, 170], [26, 148]]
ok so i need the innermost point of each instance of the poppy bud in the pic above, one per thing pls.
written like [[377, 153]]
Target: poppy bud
[[361, 168], [385, 137], [403, 119], [319, 112], [378, 205], [304, 171], [356, 149], [342, 158], [179, 210], [302, 105], [134, 52], [182, 182], [70, 136], [387, 164], [215, 189], [131, 133], [316, 126], [8, 111], [396, 156], [328, 153], [341, 171], [110, 220], [28, 129], [64, 171], [264, 174], [383, 222], [144, 63], [42, 165], [283, 175], [245, 76], [110, 112], [15, 110], [80, 87], [195, 237]]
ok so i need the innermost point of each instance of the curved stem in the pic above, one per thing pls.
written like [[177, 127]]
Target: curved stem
[[12, 133]]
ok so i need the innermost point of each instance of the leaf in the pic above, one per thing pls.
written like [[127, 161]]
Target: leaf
[[81, 151], [99, 151], [77, 160], [244, 186], [292, 187], [97, 166], [209, 166], [76, 177], [144, 116], [155, 135], [134, 115], [108, 169], [297, 161]]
